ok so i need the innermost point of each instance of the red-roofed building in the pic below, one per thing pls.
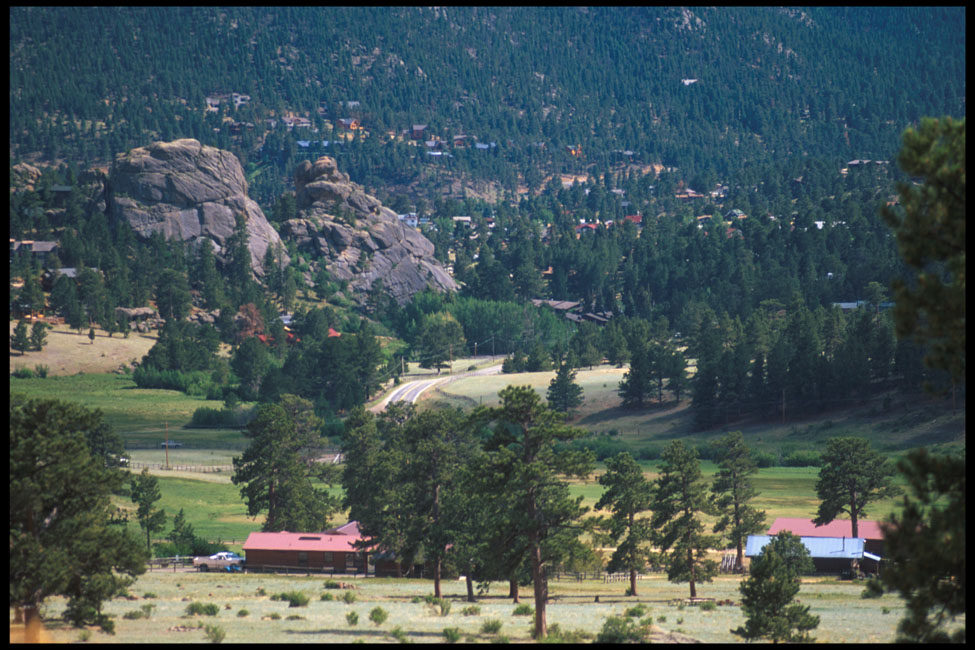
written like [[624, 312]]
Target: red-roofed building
[[332, 333], [867, 530], [332, 551]]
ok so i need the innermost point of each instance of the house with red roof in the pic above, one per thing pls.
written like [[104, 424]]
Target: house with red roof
[[331, 551]]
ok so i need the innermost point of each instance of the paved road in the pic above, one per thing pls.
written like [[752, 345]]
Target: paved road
[[411, 390]]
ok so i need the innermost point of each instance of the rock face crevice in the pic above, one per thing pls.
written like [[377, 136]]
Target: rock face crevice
[[188, 191], [359, 240]]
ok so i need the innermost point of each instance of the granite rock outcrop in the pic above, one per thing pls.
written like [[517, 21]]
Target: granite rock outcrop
[[359, 240], [188, 191]]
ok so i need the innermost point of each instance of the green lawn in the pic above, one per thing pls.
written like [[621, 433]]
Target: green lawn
[[140, 415]]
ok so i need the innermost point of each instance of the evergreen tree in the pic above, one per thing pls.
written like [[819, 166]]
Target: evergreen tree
[[38, 335], [925, 549], [275, 474], [767, 595], [62, 537], [563, 393], [679, 499], [172, 295], [852, 475], [20, 340], [636, 387], [182, 535], [732, 489], [145, 492], [522, 454], [930, 226], [628, 494]]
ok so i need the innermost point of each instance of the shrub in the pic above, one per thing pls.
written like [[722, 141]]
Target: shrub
[[558, 635], [214, 633], [472, 610], [133, 615], [452, 634], [491, 627], [327, 597], [84, 636], [23, 373], [41, 370], [294, 598], [332, 584], [147, 610], [621, 630], [440, 605], [295, 617], [274, 616], [149, 594], [348, 597], [805, 458], [378, 615], [764, 459], [635, 612], [242, 613], [398, 634], [708, 606], [207, 609], [352, 618], [523, 609]]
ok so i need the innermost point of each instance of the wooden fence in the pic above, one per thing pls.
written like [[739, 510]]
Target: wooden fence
[[204, 469]]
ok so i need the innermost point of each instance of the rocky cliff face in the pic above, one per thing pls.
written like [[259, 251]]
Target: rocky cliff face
[[358, 239], [187, 191]]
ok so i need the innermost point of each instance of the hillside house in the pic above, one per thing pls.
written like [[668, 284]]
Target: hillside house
[[418, 132], [349, 124], [39, 250]]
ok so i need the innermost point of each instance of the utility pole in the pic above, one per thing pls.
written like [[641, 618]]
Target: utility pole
[[167, 445]]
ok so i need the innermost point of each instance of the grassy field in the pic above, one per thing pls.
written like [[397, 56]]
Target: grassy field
[[139, 415], [891, 427], [844, 616], [69, 352]]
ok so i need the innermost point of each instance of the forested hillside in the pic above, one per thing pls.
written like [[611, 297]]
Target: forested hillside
[[771, 84], [706, 183]]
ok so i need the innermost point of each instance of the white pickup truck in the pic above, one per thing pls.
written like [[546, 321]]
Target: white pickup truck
[[222, 561]]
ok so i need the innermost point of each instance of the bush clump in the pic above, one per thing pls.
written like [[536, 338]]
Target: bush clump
[[214, 633], [471, 610], [348, 597], [451, 634], [492, 626], [636, 612], [294, 598], [378, 615], [352, 619], [523, 609], [621, 630], [202, 609]]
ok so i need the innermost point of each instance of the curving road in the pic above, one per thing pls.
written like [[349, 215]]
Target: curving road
[[411, 390]]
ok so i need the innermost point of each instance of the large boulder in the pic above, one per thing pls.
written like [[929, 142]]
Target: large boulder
[[189, 192], [357, 238]]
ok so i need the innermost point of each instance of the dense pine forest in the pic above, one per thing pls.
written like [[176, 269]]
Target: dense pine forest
[[708, 181]]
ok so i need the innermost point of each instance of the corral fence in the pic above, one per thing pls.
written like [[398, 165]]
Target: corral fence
[[179, 562], [579, 576], [204, 469]]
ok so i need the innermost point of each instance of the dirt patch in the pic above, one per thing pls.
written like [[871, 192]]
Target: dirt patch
[[67, 352]]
